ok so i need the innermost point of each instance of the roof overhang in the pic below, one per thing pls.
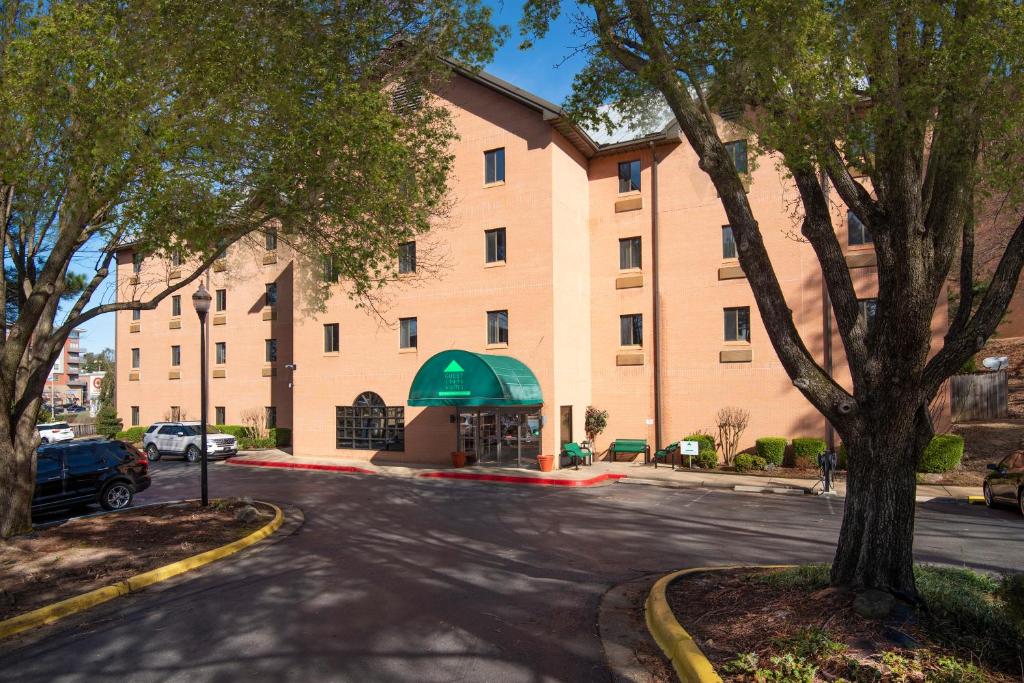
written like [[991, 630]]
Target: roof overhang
[[464, 378]]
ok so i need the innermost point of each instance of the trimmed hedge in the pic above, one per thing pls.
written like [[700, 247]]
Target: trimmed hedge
[[745, 462], [707, 454], [772, 449], [282, 436], [278, 437], [237, 431], [131, 435], [943, 454], [806, 451]]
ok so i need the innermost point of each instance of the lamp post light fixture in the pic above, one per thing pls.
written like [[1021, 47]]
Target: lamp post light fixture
[[201, 302]]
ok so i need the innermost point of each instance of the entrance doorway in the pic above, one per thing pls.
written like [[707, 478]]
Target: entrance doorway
[[499, 436]]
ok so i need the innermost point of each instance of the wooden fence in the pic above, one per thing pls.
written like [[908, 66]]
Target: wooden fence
[[980, 396], [88, 429]]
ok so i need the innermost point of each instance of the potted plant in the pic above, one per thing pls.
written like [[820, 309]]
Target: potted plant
[[458, 458], [546, 463]]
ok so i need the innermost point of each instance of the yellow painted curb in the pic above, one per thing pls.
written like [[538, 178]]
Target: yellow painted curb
[[689, 662], [975, 500], [80, 603]]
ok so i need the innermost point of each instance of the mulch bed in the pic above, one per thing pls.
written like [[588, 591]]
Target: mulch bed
[[729, 613], [81, 555]]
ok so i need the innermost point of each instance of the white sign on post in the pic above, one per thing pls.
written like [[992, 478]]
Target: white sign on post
[[689, 447]]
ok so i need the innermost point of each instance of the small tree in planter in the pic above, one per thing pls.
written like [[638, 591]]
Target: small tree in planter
[[108, 424], [594, 423], [732, 422]]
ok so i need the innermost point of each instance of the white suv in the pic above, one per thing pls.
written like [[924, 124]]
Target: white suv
[[55, 432], [183, 438]]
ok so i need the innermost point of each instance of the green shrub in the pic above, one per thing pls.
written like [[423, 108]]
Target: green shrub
[[282, 436], [44, 417], [237, 431], [743, 462], [131, 435], [969, 367], [108, 424], [248, 443], [772, 449], [943, 454], [707, 460], [707, 454], [806, 451]]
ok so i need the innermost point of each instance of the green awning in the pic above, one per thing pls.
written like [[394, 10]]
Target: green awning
[[462, 378]]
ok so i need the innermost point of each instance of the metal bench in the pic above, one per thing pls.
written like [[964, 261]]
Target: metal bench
[[576, 454], [665, 453], [629, 446]]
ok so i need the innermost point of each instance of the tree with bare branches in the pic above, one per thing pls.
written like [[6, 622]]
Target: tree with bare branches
[[182, 127], [732, 422], [908, 112]]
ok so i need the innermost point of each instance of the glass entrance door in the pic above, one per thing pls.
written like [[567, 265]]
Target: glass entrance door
[[505, 436], [487, 444]]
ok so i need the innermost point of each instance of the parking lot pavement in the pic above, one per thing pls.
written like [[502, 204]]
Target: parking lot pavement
[[394, 579]]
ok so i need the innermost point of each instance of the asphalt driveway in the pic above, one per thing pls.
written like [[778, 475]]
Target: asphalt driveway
[[422, 580]]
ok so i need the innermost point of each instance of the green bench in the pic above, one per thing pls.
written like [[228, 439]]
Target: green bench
[[576, 454], [664, 453], [629, 446]]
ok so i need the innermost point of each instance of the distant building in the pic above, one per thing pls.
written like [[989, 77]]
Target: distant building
[[93, 385], [65, 384]]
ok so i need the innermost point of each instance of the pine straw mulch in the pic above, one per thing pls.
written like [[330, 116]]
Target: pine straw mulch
[[734, 613], [59, 562]]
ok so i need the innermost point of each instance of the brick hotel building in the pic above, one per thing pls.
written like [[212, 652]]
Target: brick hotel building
[[568, 274]]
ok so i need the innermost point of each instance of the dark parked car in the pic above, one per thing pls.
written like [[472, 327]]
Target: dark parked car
[[108, 472], [1005, 483]]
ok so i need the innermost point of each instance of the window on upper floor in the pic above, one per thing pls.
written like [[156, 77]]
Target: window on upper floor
[[271, 294], [497, 327], [222, 300], [136, 262], [270, 350], [136, 358], [221, 353], [631, 329], [737, 324], [407, 257], [629, 253], [176, 259], [494, 166], [856, 233], [332, 341], [176, 305], [136, 314], [494, 244], [629, 176], [728, 243], [270, 240], [868, 310], [330, 271], [738, 153], [407, 333], [175, 355]]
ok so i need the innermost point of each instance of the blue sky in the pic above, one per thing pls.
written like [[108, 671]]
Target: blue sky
[[542, 70]]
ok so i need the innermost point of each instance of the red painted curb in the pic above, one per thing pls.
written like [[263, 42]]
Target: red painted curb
[[512, 479], [301, 466]]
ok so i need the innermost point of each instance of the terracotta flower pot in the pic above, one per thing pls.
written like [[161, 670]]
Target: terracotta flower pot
[[546, 463], [458, 458]]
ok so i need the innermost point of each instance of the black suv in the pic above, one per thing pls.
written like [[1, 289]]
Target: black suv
[[97, 471]]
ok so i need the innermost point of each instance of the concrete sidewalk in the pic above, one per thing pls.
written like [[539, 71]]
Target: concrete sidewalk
[[600, 472]]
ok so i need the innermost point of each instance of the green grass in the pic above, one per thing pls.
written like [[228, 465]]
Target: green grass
[[965, 609]]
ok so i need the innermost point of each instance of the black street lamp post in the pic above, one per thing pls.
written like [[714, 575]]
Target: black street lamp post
[[201, 301]]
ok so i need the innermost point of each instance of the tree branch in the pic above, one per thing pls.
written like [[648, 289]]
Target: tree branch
[[972, 337]]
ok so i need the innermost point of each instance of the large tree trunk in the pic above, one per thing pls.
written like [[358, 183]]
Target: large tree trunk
[[17, 484], [876, 542]]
